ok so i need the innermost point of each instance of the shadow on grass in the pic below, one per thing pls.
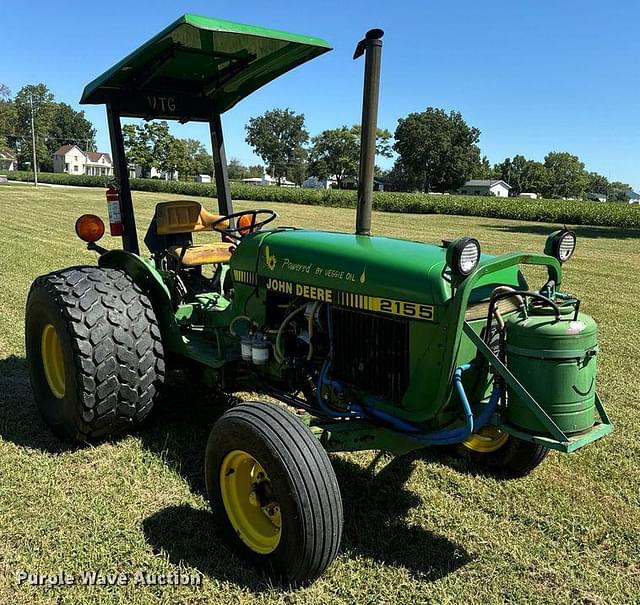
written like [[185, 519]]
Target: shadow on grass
[[581, 231], [375, 503], [375, 506], [20, 421], [189, 536]]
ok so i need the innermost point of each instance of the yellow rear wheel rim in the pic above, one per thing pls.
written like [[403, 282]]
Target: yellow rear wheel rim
[[488, 439], [53, 360], [249, 502]]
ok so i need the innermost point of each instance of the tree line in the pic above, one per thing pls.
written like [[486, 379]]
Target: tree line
[[55, 124], [435, 151]]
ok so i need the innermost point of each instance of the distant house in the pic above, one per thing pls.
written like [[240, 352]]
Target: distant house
[[266, 180], [347, 182], [136, 172], [202, 178], [314, 182], [72, 160], [495, 187], [8, 161], [597, 197], [633, 197]]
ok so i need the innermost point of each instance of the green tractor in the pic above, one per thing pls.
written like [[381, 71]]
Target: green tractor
[[369, 342]]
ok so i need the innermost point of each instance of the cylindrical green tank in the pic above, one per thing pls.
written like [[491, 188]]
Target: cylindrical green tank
[[556, 362]]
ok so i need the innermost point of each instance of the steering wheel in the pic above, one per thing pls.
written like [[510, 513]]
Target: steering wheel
[[245, 222]]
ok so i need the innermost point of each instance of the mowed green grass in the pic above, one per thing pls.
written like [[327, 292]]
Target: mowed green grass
[[419, 528]]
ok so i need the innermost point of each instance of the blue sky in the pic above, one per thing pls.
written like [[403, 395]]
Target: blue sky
[[533, 76]]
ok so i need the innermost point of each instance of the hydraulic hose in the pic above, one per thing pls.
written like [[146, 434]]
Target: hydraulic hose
[[276, 349], [447, 436], [236, 319], [495, 297], [443, 437]]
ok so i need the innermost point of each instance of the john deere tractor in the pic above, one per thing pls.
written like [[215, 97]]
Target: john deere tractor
[[360, 342]]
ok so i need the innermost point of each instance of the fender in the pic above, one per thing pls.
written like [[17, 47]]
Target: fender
[[150, 282]]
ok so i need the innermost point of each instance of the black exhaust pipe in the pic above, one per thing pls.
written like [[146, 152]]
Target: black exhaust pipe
[[371, 47]]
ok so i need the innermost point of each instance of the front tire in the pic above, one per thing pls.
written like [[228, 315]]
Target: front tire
[[274, 492], [500, 452], [95, 354]]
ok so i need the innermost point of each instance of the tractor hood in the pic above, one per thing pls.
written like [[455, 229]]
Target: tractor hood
[[341, 262]]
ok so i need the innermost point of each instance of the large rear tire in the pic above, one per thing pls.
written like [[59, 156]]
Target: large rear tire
[[274, 491], [95, 354]]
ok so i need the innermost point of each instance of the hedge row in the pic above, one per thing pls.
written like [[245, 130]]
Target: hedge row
[[552, 211]]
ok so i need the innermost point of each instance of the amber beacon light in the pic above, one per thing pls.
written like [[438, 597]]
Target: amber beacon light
[[89, 228]]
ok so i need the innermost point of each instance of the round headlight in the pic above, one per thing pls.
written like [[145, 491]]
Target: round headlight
[[561, 245], [463, 255]]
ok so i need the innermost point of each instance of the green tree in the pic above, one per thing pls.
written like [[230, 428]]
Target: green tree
[[196, 159], [43, 114], [175, 158], [297, 169], [203, 163], [237, 171], [399, 178], [277, 137], [68, 126], [483, 170], [618, 192], [336, 152], [8, 117], [137, 147], [255, 170], [566, 176], [597, 183], [150, 145], [521, 174], [440, 150]]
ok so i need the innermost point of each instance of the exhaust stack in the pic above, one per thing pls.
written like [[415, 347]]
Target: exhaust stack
[[371, 47]]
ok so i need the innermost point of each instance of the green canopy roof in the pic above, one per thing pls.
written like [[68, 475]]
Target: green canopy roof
[[198, 65]]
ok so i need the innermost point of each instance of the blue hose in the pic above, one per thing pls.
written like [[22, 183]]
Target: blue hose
[[443, 437]]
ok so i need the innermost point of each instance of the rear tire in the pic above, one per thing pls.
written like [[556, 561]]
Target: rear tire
[[509, 455], [95, 354], [274, 491]]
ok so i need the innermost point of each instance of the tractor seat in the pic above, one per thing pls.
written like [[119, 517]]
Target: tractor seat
[[185, 216], [202, 254]]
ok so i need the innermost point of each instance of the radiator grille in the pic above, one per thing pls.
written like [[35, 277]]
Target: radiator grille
[[371, 352]]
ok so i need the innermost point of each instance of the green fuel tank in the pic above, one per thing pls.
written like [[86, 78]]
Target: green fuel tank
[[555, 360]]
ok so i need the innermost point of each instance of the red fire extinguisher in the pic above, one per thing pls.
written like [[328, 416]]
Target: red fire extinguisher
[[115, 215]]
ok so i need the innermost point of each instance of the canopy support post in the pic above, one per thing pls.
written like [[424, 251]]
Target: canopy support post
[[121, 171], [225, 205]]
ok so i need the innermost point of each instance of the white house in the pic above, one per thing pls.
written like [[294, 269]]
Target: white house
[[313, 182], [8, 161], [72, 160], [202, 178], [347, 182], [135, 172], [597, 197], [266, 180], [633, 197], [495, 187]]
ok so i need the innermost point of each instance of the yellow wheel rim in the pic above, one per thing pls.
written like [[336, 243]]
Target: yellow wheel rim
[[53, 360], [488, 439], [249, 502]]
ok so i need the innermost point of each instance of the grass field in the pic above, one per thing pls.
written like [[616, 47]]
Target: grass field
[[419, 529]]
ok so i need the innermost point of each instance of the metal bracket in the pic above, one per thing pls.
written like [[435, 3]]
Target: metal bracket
[[558, 440], [512, 381]]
